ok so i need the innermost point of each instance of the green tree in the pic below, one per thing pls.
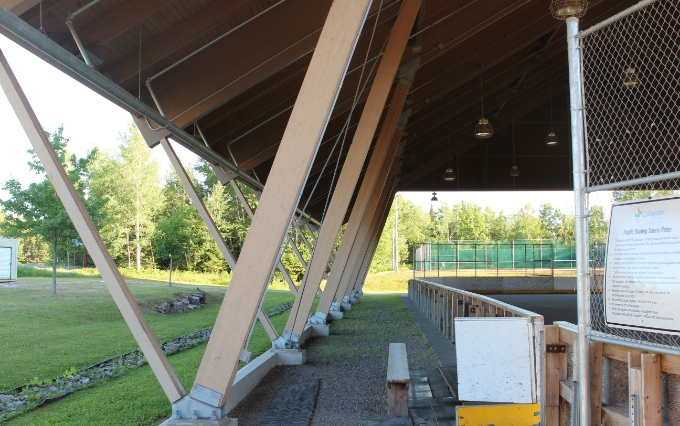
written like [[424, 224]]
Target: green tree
[[128, 181], [639, 195], [597, 225], [469, 222], [526, 225], [551, 221], [38, 211], [172, 237]]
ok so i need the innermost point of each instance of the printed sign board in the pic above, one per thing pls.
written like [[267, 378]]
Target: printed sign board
[[642, 268]]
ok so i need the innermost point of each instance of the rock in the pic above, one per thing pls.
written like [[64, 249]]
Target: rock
[[85, 380], [178, 307], [200, 295], [174, 347], [192, 307], [185, 300], [194, 300], [6, 398], [163, 308]]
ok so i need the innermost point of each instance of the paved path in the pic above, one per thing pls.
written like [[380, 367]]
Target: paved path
[[445, 350]]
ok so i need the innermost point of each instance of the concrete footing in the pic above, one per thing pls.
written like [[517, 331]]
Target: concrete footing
[[336, 315], [320, 330], [346, 306], [224, 421], [290, 356]]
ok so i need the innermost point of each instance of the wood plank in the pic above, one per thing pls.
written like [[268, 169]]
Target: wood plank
[[612, 416], [566, 391], [596, 382], [351, 171], [651, 396], [118, 21], [397, 364], [280, 198], [552, 368], [90, 236], [174, 38], [669, 363]]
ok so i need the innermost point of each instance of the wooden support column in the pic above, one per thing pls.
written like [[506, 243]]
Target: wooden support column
[[376, 237], [353, 164], [596, 382], [279, 200], [210, 223], [249, 211], [89, 235], [552, 377], [381, 195], [366, 202]]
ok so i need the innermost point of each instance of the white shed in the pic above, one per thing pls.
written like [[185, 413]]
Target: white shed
[[9, 249]]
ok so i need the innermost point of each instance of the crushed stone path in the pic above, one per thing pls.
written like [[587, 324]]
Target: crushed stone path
[[351, 364]]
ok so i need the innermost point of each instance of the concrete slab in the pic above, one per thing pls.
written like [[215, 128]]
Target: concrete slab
[[336, 315], [290, 356], [346, 306], [401, 421], [225, 421], [249, 376], [320, 330]]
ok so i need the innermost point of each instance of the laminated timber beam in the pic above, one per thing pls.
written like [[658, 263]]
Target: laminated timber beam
[[360, 222], [210, 224], [369, 224], [363, 271], [90, 235], [354, 162], [249, 211], [271, 222]]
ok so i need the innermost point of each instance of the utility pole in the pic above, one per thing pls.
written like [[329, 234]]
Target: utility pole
[[395, 239]]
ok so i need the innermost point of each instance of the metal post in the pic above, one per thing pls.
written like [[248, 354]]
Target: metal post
[[580, 202], [170, 280]]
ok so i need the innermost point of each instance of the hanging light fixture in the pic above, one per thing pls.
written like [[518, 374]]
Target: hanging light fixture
[[514, 171], [434, 194], [483, 129], [563, 9], [630, 78], [449, 175], [551, 139]]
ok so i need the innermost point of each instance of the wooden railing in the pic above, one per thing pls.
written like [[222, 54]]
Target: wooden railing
[[623, 380]]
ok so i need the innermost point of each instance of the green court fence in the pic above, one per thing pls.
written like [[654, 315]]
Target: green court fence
[[493, 258]]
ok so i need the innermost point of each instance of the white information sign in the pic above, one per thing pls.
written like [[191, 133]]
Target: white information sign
[[642, 270]]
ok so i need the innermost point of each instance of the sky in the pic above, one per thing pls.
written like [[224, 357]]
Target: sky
[[90, 120]]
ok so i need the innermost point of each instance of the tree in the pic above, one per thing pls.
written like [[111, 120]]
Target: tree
[[128, 181], [639, 195], [597, 225], [526, 225], [470, 222], [173, 236], [38, 211], [551, 221]]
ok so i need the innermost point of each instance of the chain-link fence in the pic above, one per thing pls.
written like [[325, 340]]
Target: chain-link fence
[[494, 258], [631, 89]]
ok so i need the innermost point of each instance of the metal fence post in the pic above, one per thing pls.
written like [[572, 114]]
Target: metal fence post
[[582, 283]]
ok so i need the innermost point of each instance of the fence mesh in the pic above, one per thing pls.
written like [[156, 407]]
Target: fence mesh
[[631, 88], [493, 258]]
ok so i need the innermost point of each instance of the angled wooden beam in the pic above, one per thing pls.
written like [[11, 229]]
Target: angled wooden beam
[[351, 170], [249, 211], [279, 200], [369, 225], [90, 236], [363, 272], [210, 224], [358, 227]]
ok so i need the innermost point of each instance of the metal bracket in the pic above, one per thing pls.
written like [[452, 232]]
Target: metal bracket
[[189, 408], [318, 318], [289, 340], [335, 306], [473, 310], [555, 349], [345, 299]]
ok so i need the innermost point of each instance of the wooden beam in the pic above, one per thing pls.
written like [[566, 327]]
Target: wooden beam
[[651, 398], [376, 239], [210, 224], [356, 157], [173, 39], [90, 235], [278, 202], [249, 211], [367, 220], [119, 20], [596, 382]]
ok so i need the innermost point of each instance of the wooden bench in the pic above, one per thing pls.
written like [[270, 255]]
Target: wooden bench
[[397, 381]]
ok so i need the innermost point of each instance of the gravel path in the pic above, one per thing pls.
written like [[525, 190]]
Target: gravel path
[[351, 363]]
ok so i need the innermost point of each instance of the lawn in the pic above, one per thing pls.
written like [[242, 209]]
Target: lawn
[[42, 335]]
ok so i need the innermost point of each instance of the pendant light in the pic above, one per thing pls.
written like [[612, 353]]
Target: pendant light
[[434, 198], [551, 139], [514, 171], [483, 129], [630, 78], [563, 9], [449, 175]]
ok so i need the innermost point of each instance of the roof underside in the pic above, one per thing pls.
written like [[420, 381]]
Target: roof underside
[[240, 90]]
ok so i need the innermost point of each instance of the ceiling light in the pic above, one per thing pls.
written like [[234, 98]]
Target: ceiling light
[[434, 197], [514, 171], [551, 139], [449, 175], [483, 129], [563, 9], [630, 78]]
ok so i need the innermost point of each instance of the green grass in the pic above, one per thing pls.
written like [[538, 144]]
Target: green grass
[[42, 335], [387, 282], [137, 399]]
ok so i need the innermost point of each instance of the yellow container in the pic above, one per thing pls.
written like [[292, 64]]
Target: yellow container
[[499, 415]]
